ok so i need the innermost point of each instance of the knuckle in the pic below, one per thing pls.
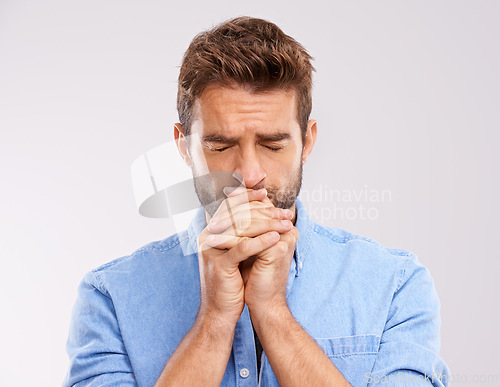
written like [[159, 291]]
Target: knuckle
[[264, 240], [256, 211], [243, 223], [244, 244], [259, 213], [255, 205], [282, 247], [270, 212], [293, 234]]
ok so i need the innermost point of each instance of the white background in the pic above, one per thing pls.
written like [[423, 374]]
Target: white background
[[407, 100]]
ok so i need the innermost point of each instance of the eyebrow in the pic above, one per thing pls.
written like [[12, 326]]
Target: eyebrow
[[219, 138], [274, 136]]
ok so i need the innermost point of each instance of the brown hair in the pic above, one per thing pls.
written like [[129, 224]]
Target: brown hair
[[249, 52]]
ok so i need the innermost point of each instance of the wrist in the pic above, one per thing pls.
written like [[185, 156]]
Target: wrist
[[212, 324], [269, 315]]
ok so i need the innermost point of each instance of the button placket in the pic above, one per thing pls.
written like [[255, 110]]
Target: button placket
[[245, 362]]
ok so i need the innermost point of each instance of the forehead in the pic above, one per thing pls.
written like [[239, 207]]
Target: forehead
[[236, 109]]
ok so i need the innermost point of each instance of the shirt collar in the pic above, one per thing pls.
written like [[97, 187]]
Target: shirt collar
[[303, 223]]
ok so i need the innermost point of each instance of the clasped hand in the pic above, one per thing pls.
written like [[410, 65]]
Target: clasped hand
[[244, 255]]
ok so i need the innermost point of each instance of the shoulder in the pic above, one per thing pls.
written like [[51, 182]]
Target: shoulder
[[340, 236], [404, 264], [168, 247], [362, 254], [144, 264], [365, 260]]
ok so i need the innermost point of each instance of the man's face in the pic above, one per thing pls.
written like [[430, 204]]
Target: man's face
[[256, 136]]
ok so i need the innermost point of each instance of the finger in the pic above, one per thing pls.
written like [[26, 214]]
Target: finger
[[222, 241], [250, 228], [267, 200], [234, 191], [275, 253], [206, 231], [244, 201], [247, 247], [228, 240], [291, 236], [238, 217], [242, 207], [287, 243], [243, 198], [260, 209]]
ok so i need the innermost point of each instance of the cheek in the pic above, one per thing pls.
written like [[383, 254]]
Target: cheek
[[285, 168], [290, 159], [218, 162], [200, 163]]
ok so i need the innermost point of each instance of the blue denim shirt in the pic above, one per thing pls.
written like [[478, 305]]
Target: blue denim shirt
[[373, 310]]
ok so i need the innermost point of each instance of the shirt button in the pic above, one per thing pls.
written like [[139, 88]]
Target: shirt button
[[244, 372]]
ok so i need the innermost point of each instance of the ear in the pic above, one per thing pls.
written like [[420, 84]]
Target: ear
[[311, 132], [182, 145]]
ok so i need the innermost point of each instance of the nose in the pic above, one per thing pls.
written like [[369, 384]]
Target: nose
[[249, 167]]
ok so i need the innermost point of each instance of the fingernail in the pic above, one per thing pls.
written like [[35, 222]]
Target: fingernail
[[285, 222], [288, 213]]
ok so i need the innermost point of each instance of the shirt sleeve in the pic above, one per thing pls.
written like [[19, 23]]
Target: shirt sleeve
[[95, 348], [409, 346]]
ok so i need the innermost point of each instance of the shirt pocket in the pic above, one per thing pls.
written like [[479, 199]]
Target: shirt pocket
[[354, 356]]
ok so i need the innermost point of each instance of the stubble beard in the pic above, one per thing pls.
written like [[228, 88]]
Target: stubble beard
[[211, 197]]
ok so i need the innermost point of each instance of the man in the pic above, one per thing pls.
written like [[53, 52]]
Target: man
[[266, 295]]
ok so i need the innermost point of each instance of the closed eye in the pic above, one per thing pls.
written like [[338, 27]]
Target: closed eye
[[220, 149], [216, 146], [273, 148]]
